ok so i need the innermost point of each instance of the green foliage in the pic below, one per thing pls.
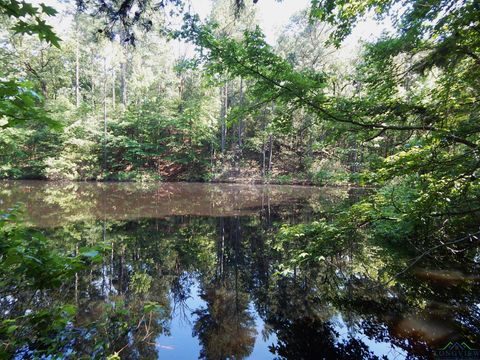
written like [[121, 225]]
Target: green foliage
[[412, 107], [28, 19], [325, 171], [403, 118], [28, 259], [31, 264], [252, 58], [141, 283], [20, 103], [78, 158]]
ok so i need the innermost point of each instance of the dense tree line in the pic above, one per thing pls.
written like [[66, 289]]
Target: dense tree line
[[133, 110]]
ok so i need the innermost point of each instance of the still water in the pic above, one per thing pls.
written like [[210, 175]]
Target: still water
[[212, 262]]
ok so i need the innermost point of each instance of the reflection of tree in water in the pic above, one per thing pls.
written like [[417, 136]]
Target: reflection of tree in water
[[226, 327], [180, 293], [298, 308], [235, 260], [413, 315], [126, 301], [310, 338], [303, 321]]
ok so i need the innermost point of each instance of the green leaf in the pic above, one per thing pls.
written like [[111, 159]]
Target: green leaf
[[50, 11]]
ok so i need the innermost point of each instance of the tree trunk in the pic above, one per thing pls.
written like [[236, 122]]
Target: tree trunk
[[104, 114], [43, 83], [270, 146], [221, 249], [238, 152], [123, 82], [92, 62], [77, 74], [224, 118], [263, 145], [240, 120], [113, 89], [270, 142]]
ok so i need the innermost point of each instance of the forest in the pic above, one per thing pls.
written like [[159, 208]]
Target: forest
[[158, 164]]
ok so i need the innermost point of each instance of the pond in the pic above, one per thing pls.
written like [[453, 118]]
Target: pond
[[209, 263]]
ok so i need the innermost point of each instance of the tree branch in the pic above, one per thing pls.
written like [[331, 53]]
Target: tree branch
[[332, 117]]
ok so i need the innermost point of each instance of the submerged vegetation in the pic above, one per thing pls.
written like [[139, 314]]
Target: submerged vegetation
[[104, 97]]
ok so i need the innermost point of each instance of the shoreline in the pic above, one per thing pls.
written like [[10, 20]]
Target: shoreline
[[213, 182]]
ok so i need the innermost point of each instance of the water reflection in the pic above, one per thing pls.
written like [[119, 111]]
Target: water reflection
[[193, 272], [55, 203]]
